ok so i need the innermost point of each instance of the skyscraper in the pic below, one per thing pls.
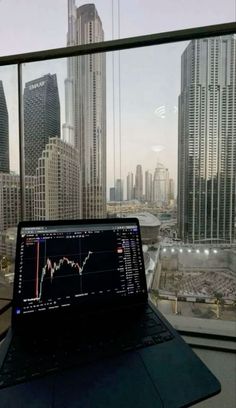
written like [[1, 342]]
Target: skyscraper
[[160, 185], [41, 118], [10, 200], [119, 190], [171, 191], [139, 183], [57, 187], [112, 193], [207, 141], [130, 186], [148, 186], [4, 133], [85, 125]]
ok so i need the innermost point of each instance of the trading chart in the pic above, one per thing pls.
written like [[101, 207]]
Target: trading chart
[[62, 268], [71, 265]]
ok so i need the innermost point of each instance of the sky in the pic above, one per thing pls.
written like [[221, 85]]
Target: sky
[[149, 77]]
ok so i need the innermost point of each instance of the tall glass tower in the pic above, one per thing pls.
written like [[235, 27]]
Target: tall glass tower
[[85, 95], [4, 133], [207, 141], [41, 118], [139, 183]]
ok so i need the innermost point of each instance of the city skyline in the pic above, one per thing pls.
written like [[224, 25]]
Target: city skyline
[[146, 132], [163, 114], [157, 130], [145, 186]]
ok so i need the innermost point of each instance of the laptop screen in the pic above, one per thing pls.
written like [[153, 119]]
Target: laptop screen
[[64, 265]]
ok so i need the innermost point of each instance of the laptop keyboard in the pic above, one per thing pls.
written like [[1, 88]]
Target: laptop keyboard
[[35, 357]]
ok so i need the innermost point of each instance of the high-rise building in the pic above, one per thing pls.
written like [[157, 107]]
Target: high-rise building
[[160, 185], [130, 186], [138, 194], [41, 118], [207, 141], [4, 133], [10, 200], [58, 187], [148, 186], [85, 125], [112, 193], [119, 190], [171, 192]]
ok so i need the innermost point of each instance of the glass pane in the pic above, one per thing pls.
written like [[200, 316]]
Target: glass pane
[[10, 204], [147, 132], [154, 142], [37, 30], [177, 168]]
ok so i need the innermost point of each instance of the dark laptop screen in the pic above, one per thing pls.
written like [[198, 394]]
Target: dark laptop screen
[[64, 265]]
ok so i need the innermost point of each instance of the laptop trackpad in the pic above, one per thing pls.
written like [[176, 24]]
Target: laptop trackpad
[[120, 381]]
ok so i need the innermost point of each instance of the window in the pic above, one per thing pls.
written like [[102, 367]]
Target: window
[[147, 108]]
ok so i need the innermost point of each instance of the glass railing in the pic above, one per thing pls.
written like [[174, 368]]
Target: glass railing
[[146, 132]]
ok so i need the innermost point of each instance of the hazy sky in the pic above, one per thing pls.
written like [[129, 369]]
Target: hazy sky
[[150, 77]]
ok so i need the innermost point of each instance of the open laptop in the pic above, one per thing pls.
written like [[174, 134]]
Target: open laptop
[[83, 333]]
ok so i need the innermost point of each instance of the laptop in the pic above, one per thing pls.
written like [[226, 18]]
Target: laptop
[[83, 333]]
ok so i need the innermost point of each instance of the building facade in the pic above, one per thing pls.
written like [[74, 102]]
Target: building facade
[[148, 186], [41, 118], [85, 89], [161, 185], [130, 186], [207, 141], [119, 190], [112, 193], [58, 187], [4, 133], [138, 188], [10, 200], [171, 192]]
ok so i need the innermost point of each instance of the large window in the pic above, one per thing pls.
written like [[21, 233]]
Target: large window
[[148, 132]]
